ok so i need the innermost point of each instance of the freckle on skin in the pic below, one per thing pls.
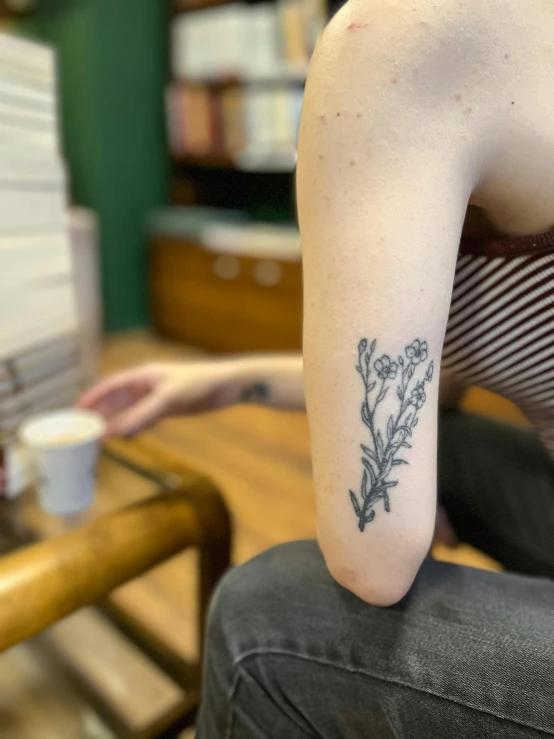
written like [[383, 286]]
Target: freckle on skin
[[469, 110], [338, 115], [321, 156], [352, 162], [358, 115], [322, 118], [393, 81], [458, 96]]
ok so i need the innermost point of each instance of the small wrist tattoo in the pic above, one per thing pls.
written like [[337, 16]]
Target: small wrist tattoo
[[256, 392], [380, 455]]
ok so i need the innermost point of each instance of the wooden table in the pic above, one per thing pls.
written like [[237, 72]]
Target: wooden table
[[148, 507]]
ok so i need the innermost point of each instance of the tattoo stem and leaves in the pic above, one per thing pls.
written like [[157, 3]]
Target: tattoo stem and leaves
[[380, 455]]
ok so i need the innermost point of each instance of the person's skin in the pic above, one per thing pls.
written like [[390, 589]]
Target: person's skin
[[411, 111], [136, 399]]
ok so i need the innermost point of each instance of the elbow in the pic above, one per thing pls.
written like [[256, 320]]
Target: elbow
[[375, 591], [380, 581]]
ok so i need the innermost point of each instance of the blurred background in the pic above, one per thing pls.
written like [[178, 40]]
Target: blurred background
[[147, 212]]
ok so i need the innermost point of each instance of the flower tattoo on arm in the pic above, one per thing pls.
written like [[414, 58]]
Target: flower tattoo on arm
[[381, 455]]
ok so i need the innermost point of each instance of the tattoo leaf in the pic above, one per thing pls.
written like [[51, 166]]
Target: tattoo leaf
[[370, 453], [369, 468], [380, 445], [415, 422], [369, 518], [407, 429], [355, 504], [429, 373], [386, 501], [389, 428], [370, 387], [373, 345], [399, 461], [405, 443], [362, 346], [400, 393], [364, 485], [359, 369]]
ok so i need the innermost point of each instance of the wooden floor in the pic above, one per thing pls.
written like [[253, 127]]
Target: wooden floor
[[261, 461]]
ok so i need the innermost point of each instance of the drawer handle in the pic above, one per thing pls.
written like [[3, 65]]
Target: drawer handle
[[226, 267], [268, 273]]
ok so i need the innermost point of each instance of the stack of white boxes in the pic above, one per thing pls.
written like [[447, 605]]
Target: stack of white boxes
[[39, 350]]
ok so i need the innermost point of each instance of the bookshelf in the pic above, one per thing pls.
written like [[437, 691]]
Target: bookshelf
[[249, 102], [225, 270]]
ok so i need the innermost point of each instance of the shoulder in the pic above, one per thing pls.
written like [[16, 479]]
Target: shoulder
[[433, 51]]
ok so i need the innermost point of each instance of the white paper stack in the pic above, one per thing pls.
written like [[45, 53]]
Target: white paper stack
[[40, 366]]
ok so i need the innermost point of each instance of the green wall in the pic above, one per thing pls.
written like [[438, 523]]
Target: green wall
[[112, 70]]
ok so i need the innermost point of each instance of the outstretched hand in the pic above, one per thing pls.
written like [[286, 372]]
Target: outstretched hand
[[136, 399]]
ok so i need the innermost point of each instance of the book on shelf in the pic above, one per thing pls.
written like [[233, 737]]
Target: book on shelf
[[40, 366], [234, 121], [259, 41]]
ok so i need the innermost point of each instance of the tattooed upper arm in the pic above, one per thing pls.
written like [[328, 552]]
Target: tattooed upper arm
[[383, 184], [388, 432]]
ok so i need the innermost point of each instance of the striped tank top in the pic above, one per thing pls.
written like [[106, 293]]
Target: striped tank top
[[500, 332]]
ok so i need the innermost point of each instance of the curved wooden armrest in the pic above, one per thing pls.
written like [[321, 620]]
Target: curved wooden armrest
[[47, 581]]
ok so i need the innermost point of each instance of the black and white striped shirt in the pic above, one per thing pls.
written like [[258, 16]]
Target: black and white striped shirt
[[500, 333]]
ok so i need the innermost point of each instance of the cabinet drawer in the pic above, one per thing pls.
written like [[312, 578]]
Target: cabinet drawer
[[224, 302]]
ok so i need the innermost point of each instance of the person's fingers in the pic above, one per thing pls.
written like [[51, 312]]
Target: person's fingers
[[140, 416], [115, 392]]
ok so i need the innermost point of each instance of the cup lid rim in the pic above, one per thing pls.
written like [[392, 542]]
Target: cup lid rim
[[29, 436]]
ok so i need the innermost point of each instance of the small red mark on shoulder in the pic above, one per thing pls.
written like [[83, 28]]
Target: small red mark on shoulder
[[354, 26], [393, 80], [322, 118], [352, 162], [338, 114]]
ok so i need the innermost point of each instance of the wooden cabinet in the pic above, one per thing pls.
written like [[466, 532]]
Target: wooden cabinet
[[224, 302]]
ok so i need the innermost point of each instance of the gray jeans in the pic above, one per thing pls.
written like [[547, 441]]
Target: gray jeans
[[467, 653]]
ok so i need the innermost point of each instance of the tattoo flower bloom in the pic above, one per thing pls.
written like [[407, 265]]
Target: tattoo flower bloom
[[418, 396], [386, 370], [417, 351], [381, 455]]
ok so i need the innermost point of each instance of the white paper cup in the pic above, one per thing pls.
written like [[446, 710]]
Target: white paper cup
[[64, 445]]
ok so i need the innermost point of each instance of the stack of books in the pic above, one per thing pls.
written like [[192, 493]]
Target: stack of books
[[39, 356]]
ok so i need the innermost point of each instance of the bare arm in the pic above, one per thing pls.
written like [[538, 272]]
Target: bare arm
[[385, 171], [136, 399], [274, 380]]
